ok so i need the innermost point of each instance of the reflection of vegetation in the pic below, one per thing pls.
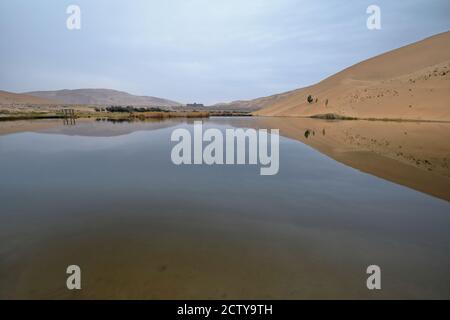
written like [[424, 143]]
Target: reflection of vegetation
[[307, 133], [161, 115], [118, 120], [128, 120], [29, 116], [332, 116], [230, 114]]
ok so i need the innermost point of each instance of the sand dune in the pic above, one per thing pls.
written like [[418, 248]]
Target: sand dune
[[9, 98], [412, 83]]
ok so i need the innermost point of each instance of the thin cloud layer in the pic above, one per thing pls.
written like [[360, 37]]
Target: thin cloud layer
[[200, 50]]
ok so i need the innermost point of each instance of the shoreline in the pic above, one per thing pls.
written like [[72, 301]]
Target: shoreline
[[33, 115], [336, 117]]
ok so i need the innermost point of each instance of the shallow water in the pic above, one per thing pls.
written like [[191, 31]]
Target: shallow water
[[108, 198]]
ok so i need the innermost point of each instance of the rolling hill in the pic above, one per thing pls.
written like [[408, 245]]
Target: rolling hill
[[10, 98], [101, 97]]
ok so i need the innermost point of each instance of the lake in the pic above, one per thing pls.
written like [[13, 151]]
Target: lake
[[107, 197]]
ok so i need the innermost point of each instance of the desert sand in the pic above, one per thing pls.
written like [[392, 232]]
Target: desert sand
[[410, 83]]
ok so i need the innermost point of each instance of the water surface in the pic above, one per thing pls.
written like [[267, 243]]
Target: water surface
[[107, 197]]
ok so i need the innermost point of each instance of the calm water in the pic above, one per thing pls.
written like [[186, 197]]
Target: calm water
[[108, 198]]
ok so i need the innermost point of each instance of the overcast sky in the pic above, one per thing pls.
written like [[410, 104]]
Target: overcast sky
[[206, 51]]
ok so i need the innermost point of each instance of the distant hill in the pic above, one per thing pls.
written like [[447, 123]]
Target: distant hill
[[102, 97], [10, 98], [412, 82]]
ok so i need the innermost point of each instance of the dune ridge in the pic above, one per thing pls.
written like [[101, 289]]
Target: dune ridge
[[409, 83]]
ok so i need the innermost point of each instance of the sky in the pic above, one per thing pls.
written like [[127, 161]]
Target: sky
[[204, 51]]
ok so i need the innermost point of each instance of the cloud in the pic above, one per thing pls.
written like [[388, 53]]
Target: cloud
[[200, 50]]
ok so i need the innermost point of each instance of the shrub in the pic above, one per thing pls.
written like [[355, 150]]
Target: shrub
[[310, 99]]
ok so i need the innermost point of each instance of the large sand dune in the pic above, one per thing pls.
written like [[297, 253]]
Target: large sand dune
[[412, 82]]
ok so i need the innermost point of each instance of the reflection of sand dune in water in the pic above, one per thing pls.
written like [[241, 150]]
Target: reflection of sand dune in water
[[414, 154]]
